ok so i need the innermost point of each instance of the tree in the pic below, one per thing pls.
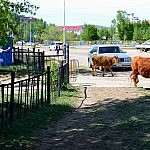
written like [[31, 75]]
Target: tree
[[124, 26], [89, 33], [113, 30], [9, 16], [51, 33], [137, 34], [145, 30], [104, 34]]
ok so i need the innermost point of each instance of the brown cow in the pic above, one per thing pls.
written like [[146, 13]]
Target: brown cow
[[105, 62], [140, 66]]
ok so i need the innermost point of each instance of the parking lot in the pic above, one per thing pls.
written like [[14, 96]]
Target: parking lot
[[120, 79]]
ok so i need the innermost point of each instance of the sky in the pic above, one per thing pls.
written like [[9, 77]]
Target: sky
[[95, 12]]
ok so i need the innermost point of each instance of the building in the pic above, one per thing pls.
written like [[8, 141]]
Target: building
[[26, 20], [76, 29]]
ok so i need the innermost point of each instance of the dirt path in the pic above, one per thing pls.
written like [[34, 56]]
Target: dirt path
[[110, 118], [97, 124]]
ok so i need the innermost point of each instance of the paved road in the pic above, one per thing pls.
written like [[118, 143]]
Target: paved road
[[121, 78]]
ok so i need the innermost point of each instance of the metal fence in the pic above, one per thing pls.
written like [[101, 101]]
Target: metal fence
[[18, 98]]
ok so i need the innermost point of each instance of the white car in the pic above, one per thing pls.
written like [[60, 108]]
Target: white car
[[53, 46], [110, 50], [144, 46], [20, 43]]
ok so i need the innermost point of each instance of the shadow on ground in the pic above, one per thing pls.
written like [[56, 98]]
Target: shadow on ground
[[113, 124]]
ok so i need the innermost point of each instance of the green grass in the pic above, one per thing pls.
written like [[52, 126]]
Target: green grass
[[21, 134]]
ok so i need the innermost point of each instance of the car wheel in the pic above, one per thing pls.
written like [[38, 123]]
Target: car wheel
[[145, 50], [89, 64]]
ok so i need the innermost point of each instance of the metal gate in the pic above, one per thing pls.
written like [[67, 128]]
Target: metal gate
[[73, 69]]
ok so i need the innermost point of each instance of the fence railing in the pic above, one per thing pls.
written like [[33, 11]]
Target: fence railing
[[18, 98]]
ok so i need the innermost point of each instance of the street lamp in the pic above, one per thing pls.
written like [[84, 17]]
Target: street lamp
[[64, 28], [30, 30], [34, 34]]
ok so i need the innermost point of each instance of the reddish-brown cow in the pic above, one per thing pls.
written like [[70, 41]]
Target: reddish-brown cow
[[105, 62], [140, 66]]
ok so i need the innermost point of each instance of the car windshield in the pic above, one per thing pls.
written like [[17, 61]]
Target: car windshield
[[110, 50]]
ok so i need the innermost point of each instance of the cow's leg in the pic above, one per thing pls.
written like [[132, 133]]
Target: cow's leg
[[111, 71], [131, 77], [94, 70], [135, 80], [104, 71]]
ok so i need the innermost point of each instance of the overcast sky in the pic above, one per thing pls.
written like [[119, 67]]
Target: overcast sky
[[97, 12]]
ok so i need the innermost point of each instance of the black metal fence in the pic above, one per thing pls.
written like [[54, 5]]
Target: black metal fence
[[31, 59], [17, 98]]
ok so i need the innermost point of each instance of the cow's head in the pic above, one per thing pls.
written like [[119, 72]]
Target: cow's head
[[116, 59]]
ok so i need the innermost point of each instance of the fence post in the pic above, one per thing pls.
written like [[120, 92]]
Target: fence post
[[27, 65], [39, 61], [14, 55], [67, 71], [2, 115], [43, 64], [42, 83], [12, 96], [60, 79], [48, 86], [34, 58], [64, 52], [18, 54], [21, 55]]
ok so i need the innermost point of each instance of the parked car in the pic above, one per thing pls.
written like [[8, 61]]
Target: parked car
[[110, 50], [29, 44], [144, 46], [20, 43], [53, 45]]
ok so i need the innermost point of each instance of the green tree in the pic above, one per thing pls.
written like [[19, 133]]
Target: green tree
[[38, 28], [90, 33], [51, 33], [137, 34], [113, 30], [145, 30], [124, 26], [121, 25], [9, 16], [104, 34], [70, 36]]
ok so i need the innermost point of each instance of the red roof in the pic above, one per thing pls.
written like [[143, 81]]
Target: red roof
[[72, 28]]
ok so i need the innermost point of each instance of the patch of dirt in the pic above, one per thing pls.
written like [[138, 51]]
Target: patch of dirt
[[95, 123]]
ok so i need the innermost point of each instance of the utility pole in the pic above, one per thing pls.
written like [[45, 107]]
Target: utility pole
[[64, 28], [30, 30]]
